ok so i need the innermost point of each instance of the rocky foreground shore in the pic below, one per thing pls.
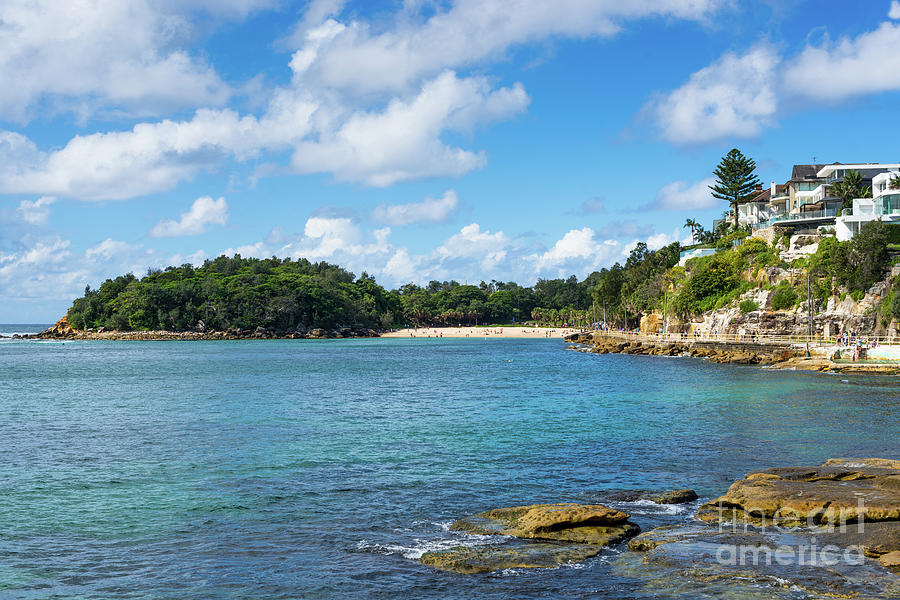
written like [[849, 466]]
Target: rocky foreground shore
[[62, 330], [825, 531], [774, 355]]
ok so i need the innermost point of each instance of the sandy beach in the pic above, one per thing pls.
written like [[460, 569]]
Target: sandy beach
[[482, 332]]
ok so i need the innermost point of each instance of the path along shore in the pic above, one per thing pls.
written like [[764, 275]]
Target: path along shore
[[776, 354]]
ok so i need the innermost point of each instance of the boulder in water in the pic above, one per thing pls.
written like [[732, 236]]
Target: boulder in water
[[483, 559], [567, 533], [576, 523]]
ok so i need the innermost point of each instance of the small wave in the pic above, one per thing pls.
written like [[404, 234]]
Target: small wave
[[420, 546], [648, 507]]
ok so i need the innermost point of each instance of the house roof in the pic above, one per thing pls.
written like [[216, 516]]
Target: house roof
[[762, 196], [765, 195], [806, 172], [827, 170]]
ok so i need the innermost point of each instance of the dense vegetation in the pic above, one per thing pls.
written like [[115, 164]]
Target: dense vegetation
[[286, 295], [836, 268], [237, 292]]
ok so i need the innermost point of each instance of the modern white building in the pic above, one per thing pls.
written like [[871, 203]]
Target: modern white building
[[761, 208], [884, 204]]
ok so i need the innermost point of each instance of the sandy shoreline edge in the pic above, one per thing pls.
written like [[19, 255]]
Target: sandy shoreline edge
[[483, 332]]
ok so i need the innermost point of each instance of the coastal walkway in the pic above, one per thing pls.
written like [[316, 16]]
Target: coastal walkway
[[878, 349]]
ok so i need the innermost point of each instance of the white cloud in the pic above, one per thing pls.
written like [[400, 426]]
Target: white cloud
[[401, 268], [107, 250], [204, 211], [378, 148], [429, 210], [472, 254], [683, 196], [740, 95], [129, 56], [472, 242], [361, 59], [659, 240], [102, 54], [403, 141], [152, 157], [578, 251], [37, 211], [866, 64], [894, 12], [734, 96]]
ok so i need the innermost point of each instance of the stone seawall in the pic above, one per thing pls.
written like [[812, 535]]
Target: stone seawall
[[777, 355], [751, 353]]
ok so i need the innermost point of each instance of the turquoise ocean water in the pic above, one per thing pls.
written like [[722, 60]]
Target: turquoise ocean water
[[323, 469]]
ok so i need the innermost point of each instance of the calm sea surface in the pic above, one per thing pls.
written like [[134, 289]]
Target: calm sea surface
[[323, 469]]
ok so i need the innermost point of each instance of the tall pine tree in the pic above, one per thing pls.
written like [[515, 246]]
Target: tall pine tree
[[735, 181]]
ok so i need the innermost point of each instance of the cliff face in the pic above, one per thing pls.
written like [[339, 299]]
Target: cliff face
[[837, 316]]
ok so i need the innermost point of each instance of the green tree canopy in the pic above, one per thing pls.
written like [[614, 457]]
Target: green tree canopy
[[850, 187], [735, 180]]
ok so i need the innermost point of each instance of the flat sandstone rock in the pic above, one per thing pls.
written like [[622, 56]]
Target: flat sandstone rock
[[567, 533], [844, 491]]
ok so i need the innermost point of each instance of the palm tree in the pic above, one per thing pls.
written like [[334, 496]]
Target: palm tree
[[849, 188], [693, 225], [894, 183]]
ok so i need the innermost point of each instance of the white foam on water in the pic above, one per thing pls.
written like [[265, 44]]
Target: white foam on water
[[648, 507], [420, 547]]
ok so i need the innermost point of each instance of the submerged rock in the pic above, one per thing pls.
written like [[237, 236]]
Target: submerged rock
[[841, 491], [577, 523], [891, 560], [681, 496], [696, 560], [483, 559], [577, 532], [784, 531]]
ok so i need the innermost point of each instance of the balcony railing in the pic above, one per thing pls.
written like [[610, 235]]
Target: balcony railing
[[806, 216]]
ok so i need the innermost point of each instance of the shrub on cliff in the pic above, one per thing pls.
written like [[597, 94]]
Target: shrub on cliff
[[785, 297], [712, 280], [859, 263], [748, 305], [890, 306]]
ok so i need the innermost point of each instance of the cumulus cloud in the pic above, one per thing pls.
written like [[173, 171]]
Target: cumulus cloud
[[39, 275], [103, 54], [37, 211], [403, 141], [866, 64], [107, 249], [203, 212], [579, 251], [357, 57], [740, 95], [429, 210], [734, 96], [400, 143], [366, 104], [683, 195]]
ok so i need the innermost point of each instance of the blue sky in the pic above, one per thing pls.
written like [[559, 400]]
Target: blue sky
[[414, 140]]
